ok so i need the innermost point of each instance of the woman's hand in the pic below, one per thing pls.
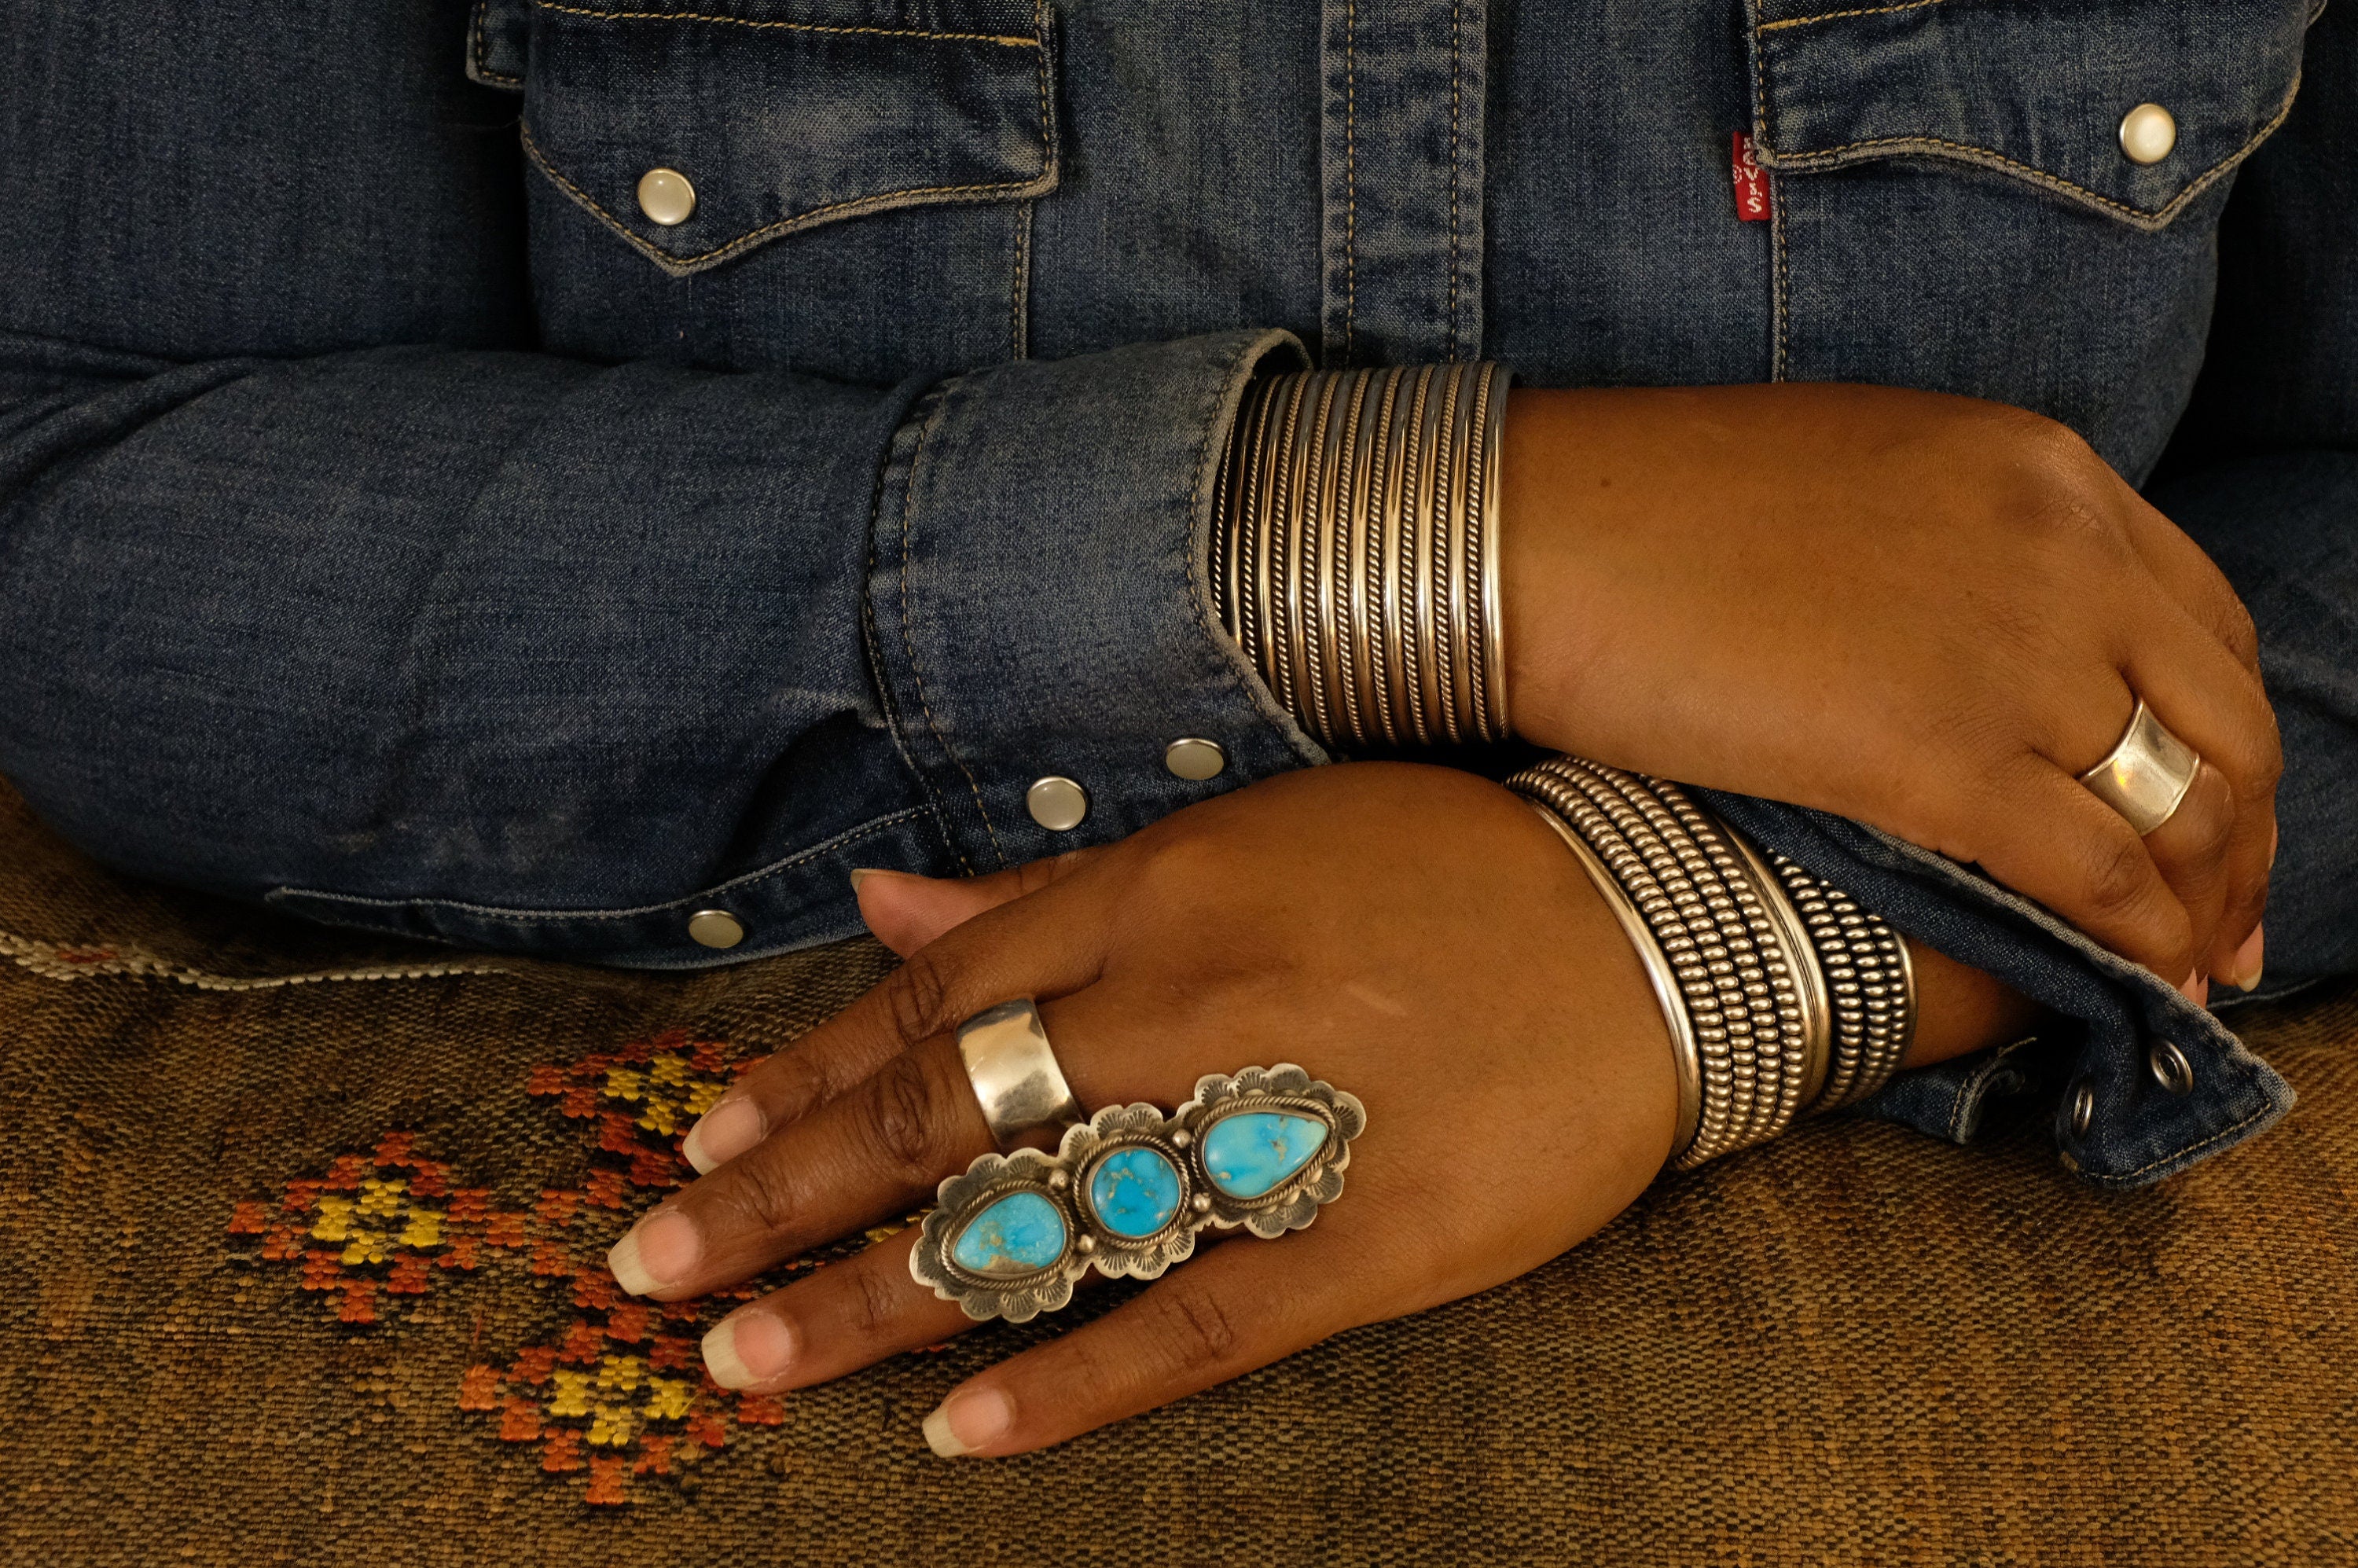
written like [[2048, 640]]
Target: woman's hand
[[1413, 935], [1926, 612]]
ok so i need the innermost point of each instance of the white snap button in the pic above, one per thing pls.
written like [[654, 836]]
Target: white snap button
[[666, 196], [2148, 134], [1058, 803], [1194, 759], [2170, 1068], [2083, 1108], [715, 928]]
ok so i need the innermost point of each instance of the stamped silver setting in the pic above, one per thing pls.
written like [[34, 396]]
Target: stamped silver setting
[[1132, 1187], [1015, 1294]]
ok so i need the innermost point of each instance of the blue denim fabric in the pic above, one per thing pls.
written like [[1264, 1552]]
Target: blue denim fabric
[[399, 526]]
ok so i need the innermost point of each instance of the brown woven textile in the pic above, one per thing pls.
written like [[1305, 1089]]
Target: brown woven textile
[[220, 1343]]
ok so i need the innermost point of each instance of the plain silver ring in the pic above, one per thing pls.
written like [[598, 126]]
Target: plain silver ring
[[1014, 1072], [2146, 777]]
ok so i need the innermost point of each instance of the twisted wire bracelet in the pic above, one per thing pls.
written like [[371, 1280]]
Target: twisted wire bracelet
[[1355, 551]]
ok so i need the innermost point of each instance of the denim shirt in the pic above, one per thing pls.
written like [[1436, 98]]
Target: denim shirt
[[400, 525]]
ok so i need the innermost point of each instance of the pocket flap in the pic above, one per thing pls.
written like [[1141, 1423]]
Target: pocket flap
[[784, 117], [2034, 89]]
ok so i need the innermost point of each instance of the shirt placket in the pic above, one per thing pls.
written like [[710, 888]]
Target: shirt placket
[[1401, 169]]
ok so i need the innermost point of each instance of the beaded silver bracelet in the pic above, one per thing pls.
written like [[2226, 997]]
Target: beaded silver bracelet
[[1355, 551], [1779, 1005]]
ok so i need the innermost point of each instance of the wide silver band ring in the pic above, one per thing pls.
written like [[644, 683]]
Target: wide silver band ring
[[1016, 1079], [2146, 775]]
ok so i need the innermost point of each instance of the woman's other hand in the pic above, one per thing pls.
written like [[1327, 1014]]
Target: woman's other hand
[[1926, 612]]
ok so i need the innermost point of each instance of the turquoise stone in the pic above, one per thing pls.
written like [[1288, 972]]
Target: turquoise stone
[[1134, 1192], [1021, 1234], [1250, 1153]]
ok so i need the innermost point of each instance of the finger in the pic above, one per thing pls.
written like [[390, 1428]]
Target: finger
[[842, 1319], [879, 1149], [1214, 1318], [906, 910], [2206, 697], [2187, 573], [876, 1149], [2190, 850], [835, 1321], [2189, 576], [2060, 845], [1053, 949]]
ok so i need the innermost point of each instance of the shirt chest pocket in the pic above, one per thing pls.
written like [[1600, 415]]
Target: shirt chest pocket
[[2130, 108], [2016, 199], [819, 185]]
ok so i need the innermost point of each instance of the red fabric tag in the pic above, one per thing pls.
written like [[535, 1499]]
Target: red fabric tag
[[1751, 182]]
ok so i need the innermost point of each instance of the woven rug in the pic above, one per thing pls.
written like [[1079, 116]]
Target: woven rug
[[299, 1262]]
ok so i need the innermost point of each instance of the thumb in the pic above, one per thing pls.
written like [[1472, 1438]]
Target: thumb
[[906, 910]]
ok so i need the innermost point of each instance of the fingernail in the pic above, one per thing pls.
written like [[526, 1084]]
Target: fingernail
[[968, 1419], [749, 1347], [2248, 959], [722, 1133], [659, 1248], [861, 874], [2195, 988]]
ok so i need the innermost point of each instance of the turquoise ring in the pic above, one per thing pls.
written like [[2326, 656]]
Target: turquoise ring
[[1127, 1191]]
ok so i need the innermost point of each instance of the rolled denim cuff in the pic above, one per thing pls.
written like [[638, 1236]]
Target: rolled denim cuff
[[2143, 1123], [1039, 609]]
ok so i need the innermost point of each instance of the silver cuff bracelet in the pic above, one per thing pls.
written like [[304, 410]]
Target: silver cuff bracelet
[[1783, 997], [1355, 549]]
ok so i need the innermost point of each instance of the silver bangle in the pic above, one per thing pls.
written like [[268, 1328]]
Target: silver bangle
[[1783, 998], [1870, 985], [1355, 551]]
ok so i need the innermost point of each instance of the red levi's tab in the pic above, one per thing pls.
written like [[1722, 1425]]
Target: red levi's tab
[[1751, 182]]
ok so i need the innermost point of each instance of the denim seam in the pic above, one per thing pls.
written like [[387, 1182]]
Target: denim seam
[[1780, 285], [881, 676], [1836, 16], [1456, 93], [2147, 221], [482, 50], [844, 839], [1238, 671], [908, 635], [1038, 185], [1018, 335], [2128, 1178], [1350, 174], [1005, 40]]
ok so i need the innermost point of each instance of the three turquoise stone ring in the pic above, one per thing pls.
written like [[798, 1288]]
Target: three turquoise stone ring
[[1128, 1190]]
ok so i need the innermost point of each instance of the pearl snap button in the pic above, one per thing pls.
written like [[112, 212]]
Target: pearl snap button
[[2083, 1108], [667, 197], [1194, 759], [2147, 133], [2170, 1068], [715, 928], [1057, 802]]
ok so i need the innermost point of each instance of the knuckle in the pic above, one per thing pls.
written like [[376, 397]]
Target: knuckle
[[2116, 875], [917, 997], [2236, 628], [1193, 1329], [760, 1193], [900, 1120], [876, 1302]]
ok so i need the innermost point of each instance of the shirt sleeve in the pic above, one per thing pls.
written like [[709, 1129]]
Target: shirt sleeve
[[323, 588]]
